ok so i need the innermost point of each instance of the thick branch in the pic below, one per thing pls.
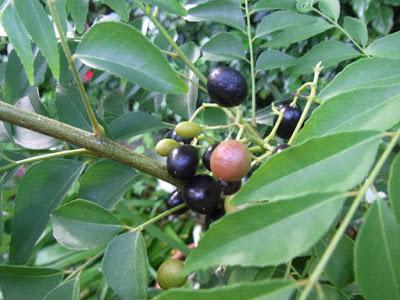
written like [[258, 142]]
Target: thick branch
[[102, 147]]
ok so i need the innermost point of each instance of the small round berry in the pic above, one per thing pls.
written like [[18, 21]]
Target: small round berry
[[170, 274], [230, 161], [182, 162], [206, 158], [227, 87], [214, 216], [165, 146], [280, 148], [173, 135], [188, 130], [229, 188], [291, 116], [202, 194], [174, 200]]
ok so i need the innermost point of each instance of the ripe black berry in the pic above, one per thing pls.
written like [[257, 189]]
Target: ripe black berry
[[227, 87], [214, 216], [290, 119], [229, 188], [280, 148], [173, 135], [202, 194], [182, 162], [174, 200], [207, 156]]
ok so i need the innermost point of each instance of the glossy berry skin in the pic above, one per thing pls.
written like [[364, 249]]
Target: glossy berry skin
[[227, 87], [214, 216], [206, 158], [202, 194], [289, 122], [229, 188], [174, 200], [280, 148], [230, 161], [170, 274], [173, 135], [182, 162]]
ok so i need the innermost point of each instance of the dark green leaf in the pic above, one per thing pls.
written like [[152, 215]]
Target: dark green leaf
[[68, 290], [275, 4], [121, 7], [387, 46], [327, 292], [79, 10], [40, 191], [394, 187], [331, 8], [223, 46], [274, 59], [172, 6], [123, 51], [357, 29]]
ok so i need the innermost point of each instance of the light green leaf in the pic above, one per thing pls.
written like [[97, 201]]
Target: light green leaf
[[223, 46], [274, 59], [301, 169], [331, 8], [275, 4], [330, 53], [361, 109], [267, 290], [327, 292], [394, 187], [134, 123], [17, 282], [123, 51], [377, 252], [305, 6], [125, 266], [121, 7], [357, 29], [41, 30], [278, 231], [79, 10], [40, 191], [68, 290], [227, 12], [19, 38], [99, 186], [388, 46], [84, 225], [364, 73], [172, 6]]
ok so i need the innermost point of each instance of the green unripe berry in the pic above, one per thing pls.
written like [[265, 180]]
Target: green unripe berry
[[170, 274], [188, 129], [165, 146]]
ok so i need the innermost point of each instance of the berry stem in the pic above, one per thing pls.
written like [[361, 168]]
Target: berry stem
[[314, 277], [278, 122], [98, 130], [252, 69], [84, 265]]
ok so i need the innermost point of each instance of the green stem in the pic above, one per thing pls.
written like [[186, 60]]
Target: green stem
[[193, 82], [97, 128], [43, 157], [84, 265], [278, 122], [314, 277], [170, 40], [102, 147], [252, 71]]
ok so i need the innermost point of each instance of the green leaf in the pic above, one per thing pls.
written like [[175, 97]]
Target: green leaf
[[79, 10], [17, 282], [331, 8], [394, 187], [330, 53], [223, 46], [305, 6], [377, 251], [267, 290], [274, 59], [387, 46], [134, 123], [19, 38], [364, 73], [171, 6], [68, 290], [121, 7], [357, 29], [275, 4], [301, 169], [83, 225], [41, 30], [361, 109], [227, 12], [340, 266], [327, 292], [125, 266], [123, 51], [98, 186], [40, 191], [382, 20], [278, 232]]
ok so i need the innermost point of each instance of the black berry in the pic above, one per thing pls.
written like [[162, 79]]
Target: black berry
[[227, 87], [173, 135], [289, 122], [182, 162], [207, 156], [229, 188], [214, 216], [174, 200], [202, 194]]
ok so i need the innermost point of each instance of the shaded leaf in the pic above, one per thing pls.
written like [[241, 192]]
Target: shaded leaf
[[331, 8], [275, 4], [394, 187], [172, 6], [79, 10], [121, 7], [357, 29], [274, 59], [223, 46], [68, 290], [387, 46]]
